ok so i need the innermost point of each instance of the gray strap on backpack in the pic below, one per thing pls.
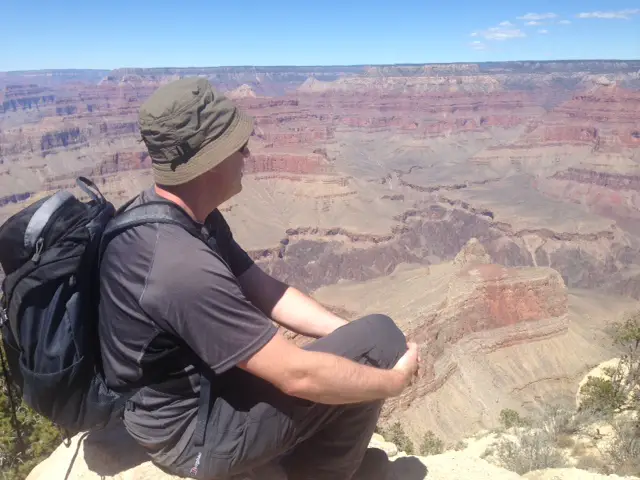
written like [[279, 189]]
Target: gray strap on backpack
[[41, 217]]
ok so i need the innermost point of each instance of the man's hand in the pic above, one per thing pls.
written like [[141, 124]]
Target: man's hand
[[407, 366]]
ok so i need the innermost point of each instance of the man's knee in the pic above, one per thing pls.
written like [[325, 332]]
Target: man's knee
[[382, 324], [389, 343], [374, 339]]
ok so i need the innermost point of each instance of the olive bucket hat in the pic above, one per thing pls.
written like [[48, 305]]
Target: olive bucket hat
[[189, 128]]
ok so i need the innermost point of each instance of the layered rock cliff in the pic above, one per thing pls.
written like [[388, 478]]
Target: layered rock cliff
[[451, 159], [595, 130], [491, 338]]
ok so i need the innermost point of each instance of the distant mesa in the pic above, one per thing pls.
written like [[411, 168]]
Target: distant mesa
[[604, 81], [243, 91], [312, 84], [472, 253]]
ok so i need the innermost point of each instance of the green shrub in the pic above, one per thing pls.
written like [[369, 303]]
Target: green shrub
[[618, 389], [431, 444], [397, 436], [510, 418], [461, 445], [602, 395], [531, 451]]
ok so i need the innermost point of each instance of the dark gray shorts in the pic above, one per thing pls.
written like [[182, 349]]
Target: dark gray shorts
[[255, 424]]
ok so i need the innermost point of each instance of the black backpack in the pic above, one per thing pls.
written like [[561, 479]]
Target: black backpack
[[50, 253]]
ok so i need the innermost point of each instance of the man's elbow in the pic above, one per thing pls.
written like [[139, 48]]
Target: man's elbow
[[286, 366], [296, 382]]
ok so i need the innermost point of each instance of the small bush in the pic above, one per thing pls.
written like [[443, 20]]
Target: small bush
[[602, 395], [565, 441], [579, 449], [531, 451], [431, 444], [618, 391], [618, 388], [461, 445], [593, 464], [560, 424], [624, 451], [488, 452], [399, 438], [510, 418]]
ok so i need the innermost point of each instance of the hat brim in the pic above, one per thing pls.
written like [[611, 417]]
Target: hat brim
[[211, 155]]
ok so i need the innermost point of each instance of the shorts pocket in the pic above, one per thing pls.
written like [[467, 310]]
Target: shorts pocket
[[225, 430]]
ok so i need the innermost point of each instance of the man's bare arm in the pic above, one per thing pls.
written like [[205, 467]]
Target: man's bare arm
[[326, 378], [287, 305]]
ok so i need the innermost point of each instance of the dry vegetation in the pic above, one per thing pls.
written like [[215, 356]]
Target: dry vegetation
[[602, 435], [429, 445]]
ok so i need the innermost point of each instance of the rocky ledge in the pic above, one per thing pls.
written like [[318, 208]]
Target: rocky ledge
[[111, 454]]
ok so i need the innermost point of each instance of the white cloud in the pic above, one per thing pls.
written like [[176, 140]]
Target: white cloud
[[501, 32], [564, 22], [477, 45], [506, 24], [533, 23], [537, 16], [619, 14], [543, 31]]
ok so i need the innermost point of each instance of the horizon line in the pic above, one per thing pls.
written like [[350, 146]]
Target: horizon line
[[355, 65]]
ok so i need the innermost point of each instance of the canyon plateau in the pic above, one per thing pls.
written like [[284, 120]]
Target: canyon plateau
[[493, 210]]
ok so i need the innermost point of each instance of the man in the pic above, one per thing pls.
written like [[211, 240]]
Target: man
[[174, 312]]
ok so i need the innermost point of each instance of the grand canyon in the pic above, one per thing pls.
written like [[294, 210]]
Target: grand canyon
[[491, 209]]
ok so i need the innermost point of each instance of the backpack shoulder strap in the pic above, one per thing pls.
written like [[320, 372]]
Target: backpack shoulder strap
[[152, 212], [164, 212]]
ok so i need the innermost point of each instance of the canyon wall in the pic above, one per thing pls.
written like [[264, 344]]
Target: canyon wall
[[491, 209], [440, 136]]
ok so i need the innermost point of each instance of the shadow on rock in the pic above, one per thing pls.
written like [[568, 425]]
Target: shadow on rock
[[409, 468], [111, 451], [377, 466]]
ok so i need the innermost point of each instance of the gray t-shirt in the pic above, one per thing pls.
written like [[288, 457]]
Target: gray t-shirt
[[169, 307]]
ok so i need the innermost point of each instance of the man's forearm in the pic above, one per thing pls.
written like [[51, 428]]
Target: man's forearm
[[331, 379], [288, 306], [302, 314]]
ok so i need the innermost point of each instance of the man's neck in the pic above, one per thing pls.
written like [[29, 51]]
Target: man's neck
[[198, 214]]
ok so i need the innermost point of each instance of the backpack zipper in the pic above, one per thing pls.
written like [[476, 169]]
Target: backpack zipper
[[39, 248]]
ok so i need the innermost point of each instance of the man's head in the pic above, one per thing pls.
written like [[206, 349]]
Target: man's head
[[196, 138]]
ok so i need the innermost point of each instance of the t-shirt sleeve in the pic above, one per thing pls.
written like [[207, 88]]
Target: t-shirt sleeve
[[194, 295], [239, 260]]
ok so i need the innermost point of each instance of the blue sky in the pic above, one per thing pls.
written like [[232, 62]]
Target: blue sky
[[39, 34]]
